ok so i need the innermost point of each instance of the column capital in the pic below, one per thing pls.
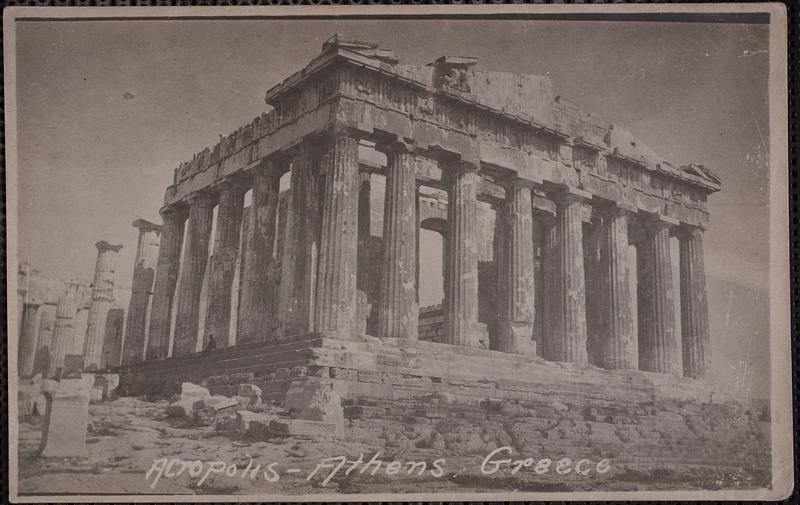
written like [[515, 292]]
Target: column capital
[[683, 230], [144, 226], [569, 194], [396, 146], [265, 168], [104, 246], [659, 220]]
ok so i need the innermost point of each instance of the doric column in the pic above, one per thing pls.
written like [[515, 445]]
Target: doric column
[[336, 285], [144, 271], [694, 305], [193, 271], [256, 306], [614, 301], [657, 343], [301, 247], [28, 340], [515, 271], [223, 262], [569, 293], [550, 346], [44, 342], [102, 298], [461, 316], [398, 313], [66, 309], [169, 261], [112, 343]]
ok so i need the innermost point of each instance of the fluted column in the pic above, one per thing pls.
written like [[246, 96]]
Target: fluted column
[[27, 340], [398, 313], [256, 306], [193, 271], [657, 343], [694, 305], [569, 304], [550, 344], [144, 271], [168, 265], [336, 285], [64, 328], [102, 298], [516, 271], [223, 262], [614, 301], [461, 316], [301, 247], [44, 342]]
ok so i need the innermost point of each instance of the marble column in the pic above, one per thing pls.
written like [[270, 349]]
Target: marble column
[[102, 298], [694, 305], [223, 262], [461, 308], [614, 301], [301, 247], [256, 306], [112, 343], [44, 342], [398, 312], [144, 271], [336, 294], [569, 321], [168, 265], [28, 341], [550, 345], [64, 328], [193, 272], [657, 342], [516, 271]]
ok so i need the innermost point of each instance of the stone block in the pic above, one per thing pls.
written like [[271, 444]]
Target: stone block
[[96, 394], [189, 390], [67, 416], [316, 399], [251, 392], [246, 419], [241, 400], [302, 427], [109, 383], [218, 403], [183, 408]]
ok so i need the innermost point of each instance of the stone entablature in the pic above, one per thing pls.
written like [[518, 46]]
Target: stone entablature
[[534, 135]]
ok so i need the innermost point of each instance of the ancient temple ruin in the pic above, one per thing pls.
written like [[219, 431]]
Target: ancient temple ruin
[[537, 204]]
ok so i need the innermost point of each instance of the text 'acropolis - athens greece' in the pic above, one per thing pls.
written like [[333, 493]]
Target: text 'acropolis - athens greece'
[[514, 254]]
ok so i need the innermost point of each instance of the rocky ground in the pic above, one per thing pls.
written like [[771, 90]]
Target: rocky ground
[[132, 441]]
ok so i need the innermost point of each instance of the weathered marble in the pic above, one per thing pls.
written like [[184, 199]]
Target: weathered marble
[[398, 313], [694, 305], [336, 284], [63, 330], [102, 298], [193, 271], [658, 348], [66, 418], [169, 253], [258, 285], [223, 262], [28, 340], [112, 343], [144, 271]]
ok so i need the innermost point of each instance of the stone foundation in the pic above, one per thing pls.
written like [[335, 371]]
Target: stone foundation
[[464, 401]]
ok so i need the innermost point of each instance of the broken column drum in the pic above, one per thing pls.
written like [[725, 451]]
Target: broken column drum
[[486, 140], [102, 298]]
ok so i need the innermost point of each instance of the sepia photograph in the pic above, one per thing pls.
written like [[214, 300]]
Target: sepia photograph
[[398, 253]]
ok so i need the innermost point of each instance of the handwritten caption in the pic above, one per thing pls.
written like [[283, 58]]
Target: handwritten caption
[[328, 468]]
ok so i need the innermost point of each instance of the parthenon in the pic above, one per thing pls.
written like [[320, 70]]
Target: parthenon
[[538, 206]]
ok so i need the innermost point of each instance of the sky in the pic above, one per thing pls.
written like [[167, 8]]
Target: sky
[[107, 110]]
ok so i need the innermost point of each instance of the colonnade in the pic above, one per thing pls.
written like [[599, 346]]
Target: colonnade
[[318, 264]]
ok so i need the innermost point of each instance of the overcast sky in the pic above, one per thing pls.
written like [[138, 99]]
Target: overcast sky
[[106, 110]]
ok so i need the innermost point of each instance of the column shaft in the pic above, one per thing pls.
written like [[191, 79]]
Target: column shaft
[[102, 298], [223, 263], [169, 256], [257, 307], [461, 316], [398, 315], [63, 332], [516, 272], [144, 270], [550, 344], [569, 322], [301, 247], [694, 306], [618, 341], [336, 285], [657, 344], [193, 271], [28, 341]]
